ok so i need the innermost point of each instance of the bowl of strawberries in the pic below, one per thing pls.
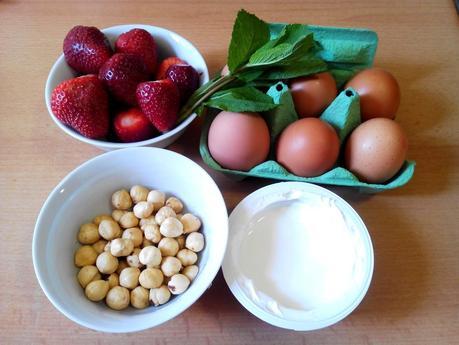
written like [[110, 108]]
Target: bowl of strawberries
[[123, 86]]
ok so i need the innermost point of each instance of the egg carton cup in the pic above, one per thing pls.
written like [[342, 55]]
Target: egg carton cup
[[346, 51]]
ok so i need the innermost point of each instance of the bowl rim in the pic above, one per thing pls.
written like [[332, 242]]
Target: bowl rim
[[229, 272], [114, 145], [38, 266]]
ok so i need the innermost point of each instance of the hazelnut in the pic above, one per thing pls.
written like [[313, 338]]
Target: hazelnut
[[171, 227], [163, 213], [139, 297], [152, 233], [109, 229], [101, 217], [145, 221], [157, 198], [150, 256], [85, 255], [143, 209], [146, 243], [88, 234], [129, 220], [121, 247], [87, 274], [170, 266], [195, 241], [151, 278], [129, 277], [99, 246], [178, 284], [160, 295], [106, 263], [187, 257], [174, 204], [138, 193], [190, 222], [134, 234], [96, 290], [191, 272], [168, 247], [118, 298], [113, 280], [121, 200], [133, 259], [117, 214]]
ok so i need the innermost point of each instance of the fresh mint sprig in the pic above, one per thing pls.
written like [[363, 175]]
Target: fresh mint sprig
[[254, 58]]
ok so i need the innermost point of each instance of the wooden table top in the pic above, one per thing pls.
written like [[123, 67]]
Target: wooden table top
[[414, 295]]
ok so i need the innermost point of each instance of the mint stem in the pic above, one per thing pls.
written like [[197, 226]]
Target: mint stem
[[202, 95]]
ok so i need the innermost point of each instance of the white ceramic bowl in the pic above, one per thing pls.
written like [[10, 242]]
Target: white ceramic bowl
[[319, 257], [169, 44], [85, 193]]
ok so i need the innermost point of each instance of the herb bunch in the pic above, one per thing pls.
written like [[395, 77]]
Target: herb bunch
[[257, 58]]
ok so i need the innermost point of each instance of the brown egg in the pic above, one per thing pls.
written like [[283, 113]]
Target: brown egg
[[308, 147], [376, 150], [312, 94], [379, 93], [238, 141]]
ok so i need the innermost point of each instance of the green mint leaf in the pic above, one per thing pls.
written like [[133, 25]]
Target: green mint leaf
[[241, 99], [310, 64], [249, 75], [249, 34], [292, 34], [292, 44]]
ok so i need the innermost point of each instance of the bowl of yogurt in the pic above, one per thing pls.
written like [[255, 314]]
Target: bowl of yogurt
[[298, 256]]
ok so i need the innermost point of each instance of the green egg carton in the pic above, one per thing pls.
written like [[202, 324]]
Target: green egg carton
[[346, 51]]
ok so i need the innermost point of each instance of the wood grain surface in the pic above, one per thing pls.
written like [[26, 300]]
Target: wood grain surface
[[414, 295]]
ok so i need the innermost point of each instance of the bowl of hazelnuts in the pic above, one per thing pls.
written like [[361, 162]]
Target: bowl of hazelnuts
[[130, 239]]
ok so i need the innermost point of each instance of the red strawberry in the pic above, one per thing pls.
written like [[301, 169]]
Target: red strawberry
[[132, 125], [82, 103], [86, 49], [185, 77], [165, 64], [159, 101], [121, 74], [139, 42]]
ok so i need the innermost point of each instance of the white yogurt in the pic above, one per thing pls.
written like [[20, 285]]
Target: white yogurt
[[299, 257]]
